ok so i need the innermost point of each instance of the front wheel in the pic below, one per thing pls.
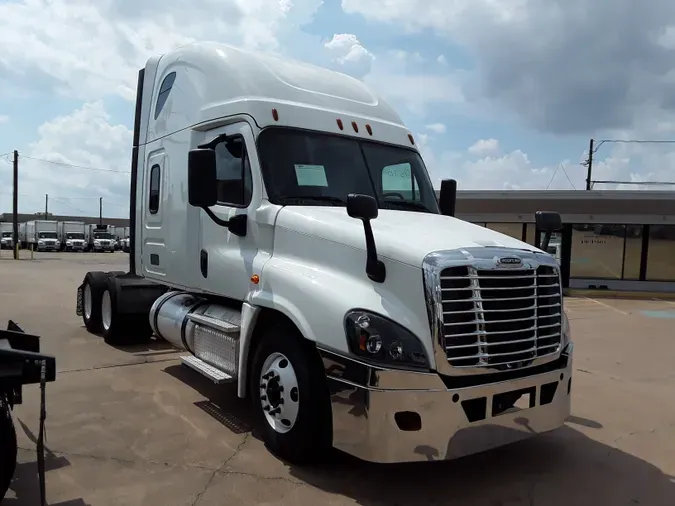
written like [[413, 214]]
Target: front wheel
[[290, 397]]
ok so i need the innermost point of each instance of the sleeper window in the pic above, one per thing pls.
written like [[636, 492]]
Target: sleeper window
[[153, 200]]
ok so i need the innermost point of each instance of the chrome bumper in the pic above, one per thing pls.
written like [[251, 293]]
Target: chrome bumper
[[383, 415]]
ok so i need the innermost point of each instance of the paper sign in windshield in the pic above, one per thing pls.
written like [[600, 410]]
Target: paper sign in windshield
[[310, 175], [396, 177]]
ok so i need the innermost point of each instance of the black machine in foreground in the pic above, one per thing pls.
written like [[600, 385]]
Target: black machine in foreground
[[21, 363]]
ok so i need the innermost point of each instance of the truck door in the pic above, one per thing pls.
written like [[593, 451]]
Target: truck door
[[225, 259], [155, 257]]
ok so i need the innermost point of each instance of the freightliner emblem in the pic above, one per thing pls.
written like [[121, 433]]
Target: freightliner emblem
[[510, 261]]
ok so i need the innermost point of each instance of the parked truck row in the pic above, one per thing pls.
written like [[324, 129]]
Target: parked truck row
[[50, 235], [285, 233]]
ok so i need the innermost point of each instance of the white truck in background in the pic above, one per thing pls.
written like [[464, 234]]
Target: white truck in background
[[99, 238], [41, 234], [71, 235], [6, 232], [285, 233]]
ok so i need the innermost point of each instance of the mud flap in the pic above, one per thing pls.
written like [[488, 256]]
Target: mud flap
[[78, 307]]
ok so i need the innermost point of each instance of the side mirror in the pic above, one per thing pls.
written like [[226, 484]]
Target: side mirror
[[448, 197], [202, 178], [364, 208], [547, 222]]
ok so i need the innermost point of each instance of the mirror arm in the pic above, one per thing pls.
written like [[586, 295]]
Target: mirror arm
[[214, 142], [217, 221], [546, 240], [375, 268], [236, 225]]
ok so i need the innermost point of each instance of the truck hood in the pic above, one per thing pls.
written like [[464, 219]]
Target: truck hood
[[399, 235]]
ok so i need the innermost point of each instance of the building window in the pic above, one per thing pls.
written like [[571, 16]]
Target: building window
[[153, 199], [164, 91], [531, 234], [633, 252], [597, 251], [661, 253], [514, 230], [234, 173]]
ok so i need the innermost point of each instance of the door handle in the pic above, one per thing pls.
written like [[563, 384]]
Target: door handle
[[204, 263]]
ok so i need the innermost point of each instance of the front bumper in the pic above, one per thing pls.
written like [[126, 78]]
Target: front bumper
[[383, 415]]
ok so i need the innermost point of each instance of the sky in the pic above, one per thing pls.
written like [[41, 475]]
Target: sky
[[501, 94]]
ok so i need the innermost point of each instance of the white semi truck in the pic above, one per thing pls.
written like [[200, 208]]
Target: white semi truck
[[6, 233], [99, 238], [285, 233], [71, 235], [42, 234]]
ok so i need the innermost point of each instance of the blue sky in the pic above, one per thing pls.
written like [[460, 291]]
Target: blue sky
[[518, 92]]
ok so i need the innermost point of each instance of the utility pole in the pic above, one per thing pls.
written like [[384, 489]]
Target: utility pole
[[46, 206], [100, 211], [589, 164], [15, 209]]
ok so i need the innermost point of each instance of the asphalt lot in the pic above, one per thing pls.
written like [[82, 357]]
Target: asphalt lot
[[131, 426]]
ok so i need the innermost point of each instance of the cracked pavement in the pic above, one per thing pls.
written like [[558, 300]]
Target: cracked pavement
[[131, 426]]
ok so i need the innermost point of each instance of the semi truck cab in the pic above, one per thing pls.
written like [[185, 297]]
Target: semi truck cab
[[285, 233]]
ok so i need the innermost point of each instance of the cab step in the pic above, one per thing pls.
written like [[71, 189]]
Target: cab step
[[212, 373]]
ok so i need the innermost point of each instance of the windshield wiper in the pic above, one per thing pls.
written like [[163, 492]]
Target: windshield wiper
[[417, 206], [317, 198]]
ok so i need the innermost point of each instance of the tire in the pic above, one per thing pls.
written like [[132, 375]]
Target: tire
[[8, 449], [118, 328], [113, 324], [309, 438], [93, 285]]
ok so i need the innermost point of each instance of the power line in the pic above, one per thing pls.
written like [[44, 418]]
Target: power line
[[84, 167], [68, 205]]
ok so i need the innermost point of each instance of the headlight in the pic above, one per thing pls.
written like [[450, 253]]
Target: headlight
[[41, 241], [566, 336], [378, 339]]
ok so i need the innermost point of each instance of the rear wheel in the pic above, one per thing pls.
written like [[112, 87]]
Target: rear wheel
[[94, 283], [121, 328], [290, 397]]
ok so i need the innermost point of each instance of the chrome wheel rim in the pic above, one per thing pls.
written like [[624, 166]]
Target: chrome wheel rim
[[87, 301], [279, 393], [106, 310]]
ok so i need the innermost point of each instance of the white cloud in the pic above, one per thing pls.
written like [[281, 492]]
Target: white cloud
[[84, 138], [442, 60], [438, 128], [350, 55], [4, 118], [484, 147], [92, 49]]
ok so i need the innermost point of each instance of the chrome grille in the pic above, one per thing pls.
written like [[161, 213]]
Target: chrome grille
[[500, 318]]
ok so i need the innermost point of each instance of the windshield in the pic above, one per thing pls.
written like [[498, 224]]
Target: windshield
[[6, 234], [306, 168], [47, 235], [102, 235], [75, 236]]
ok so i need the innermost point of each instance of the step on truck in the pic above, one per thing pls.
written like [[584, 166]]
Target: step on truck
[[285, 233]]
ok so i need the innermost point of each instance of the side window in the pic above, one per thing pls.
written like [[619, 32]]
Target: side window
[[164, 91], [235, 185], [399, 179], [153, 200]]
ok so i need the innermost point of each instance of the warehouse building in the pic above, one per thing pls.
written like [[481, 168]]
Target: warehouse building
[[618, 240]]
